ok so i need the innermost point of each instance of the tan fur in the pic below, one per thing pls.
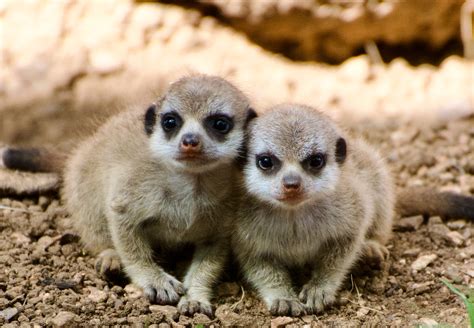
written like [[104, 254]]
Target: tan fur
[[346, 209], [128, 195]]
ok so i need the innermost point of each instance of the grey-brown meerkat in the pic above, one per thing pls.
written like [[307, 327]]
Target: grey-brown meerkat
[[316, 201], [151, 180]]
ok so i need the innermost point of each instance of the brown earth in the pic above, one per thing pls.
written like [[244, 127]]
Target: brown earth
[[66, 64], [48, 279]]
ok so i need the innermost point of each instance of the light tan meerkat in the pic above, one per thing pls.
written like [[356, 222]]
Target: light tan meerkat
[[152, 180], [314, 201]]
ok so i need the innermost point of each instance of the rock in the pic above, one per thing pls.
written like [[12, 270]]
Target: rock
[[64, 319], [184, 321], [423, 261], [401, 137], [200, 318], [427, 323], [454, 274], [420, 288], [9, 313], [97, 295], [170, 312], [133, 291], [44, 202], [362, 312], [435, 220], [469, 251], [164, 325], [105, 62], [228, 289], [229, 318], [412, 252], [309, 318], [455, 238], [457, 225], [20, 239], [279, 322], [439, 233], [408, 224]]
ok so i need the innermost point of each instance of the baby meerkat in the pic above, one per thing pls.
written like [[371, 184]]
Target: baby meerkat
[[150, 181], [312, 201]]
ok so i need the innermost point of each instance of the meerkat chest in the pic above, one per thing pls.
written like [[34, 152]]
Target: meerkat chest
[[293, 241], [188, 211]]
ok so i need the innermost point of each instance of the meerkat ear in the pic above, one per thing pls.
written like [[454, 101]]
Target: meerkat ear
[[150, 119], [251, 114], [341, 150]]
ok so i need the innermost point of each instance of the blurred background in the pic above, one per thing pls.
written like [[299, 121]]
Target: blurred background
[[64, 63]]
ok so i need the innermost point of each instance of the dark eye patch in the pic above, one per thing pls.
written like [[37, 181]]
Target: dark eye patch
[[171, 122], [150, 119], [314, 163], [341, 150], [267, 162], [219, 125]]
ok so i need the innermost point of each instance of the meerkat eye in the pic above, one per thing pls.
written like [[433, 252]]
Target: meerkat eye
[[170, 122], [316, 161], [265, 162], [219, 123]]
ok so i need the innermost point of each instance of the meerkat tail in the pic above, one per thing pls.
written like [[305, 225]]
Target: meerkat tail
[[31, 159], [414, 201]]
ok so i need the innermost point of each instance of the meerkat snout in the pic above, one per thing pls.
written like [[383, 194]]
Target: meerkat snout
[[291, 184], [190, 143]]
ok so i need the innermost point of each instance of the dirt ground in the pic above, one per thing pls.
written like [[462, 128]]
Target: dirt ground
[[47, 278], [63, 62]]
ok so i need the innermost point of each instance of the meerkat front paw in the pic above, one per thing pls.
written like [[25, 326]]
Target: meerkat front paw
[[166, 289], [108, 264], [316, 298], [188, 307], [287, 306], [374, 254]]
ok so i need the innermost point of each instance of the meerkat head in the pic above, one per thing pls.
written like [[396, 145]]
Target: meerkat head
[[295, 156], [198, 124]]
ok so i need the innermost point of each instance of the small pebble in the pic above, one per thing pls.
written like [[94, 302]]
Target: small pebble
[[169, 311], [455, 238], [64, 319], [97, 295], [423, 261], [408, 224], [9, 313], [280, 322], [457, 225], [133, 291], [427, 323]]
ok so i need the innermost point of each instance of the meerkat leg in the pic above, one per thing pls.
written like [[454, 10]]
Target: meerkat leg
[[108, 263], [321, 290], [374, 253], [273, 283], [206, 267], [136, 254]]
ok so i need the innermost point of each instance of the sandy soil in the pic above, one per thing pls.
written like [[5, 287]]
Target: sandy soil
[[46, 278], [64, 66]]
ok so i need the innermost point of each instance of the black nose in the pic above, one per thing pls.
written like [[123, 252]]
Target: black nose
[[190, 140], [292, 182]]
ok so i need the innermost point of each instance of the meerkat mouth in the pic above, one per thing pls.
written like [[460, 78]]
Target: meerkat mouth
[[193, 159], [291, 199]]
